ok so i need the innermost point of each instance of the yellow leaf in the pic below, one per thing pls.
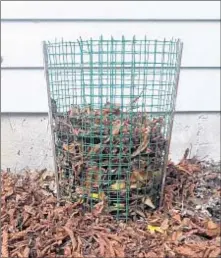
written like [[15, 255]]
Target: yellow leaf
[[81, 201], [95, 195], [119, 205], [100, 196], [119, 185], [154, 229]]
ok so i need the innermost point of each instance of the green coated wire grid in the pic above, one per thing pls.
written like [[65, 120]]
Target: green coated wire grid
[[111, 105]]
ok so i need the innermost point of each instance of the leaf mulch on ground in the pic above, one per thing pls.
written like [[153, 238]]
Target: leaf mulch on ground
[[33, 224]]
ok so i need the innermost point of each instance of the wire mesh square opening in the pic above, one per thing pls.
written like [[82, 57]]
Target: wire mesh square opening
[[112, 103]]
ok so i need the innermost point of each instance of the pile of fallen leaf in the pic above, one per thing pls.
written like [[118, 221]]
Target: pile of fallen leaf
[[110, 154], [34, 225]]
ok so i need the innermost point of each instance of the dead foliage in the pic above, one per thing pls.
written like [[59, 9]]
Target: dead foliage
[[35, 225], [112, 151]]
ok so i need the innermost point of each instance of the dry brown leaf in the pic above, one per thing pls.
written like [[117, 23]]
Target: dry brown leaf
[[78, 167], [39, 227], [186, 222], [22, 245], [51, 200], [215, 253], [69, 148], [139, 176], [11, 214], [26, 252], [144, 143], [26, 218], [119, 251], [213, 232], [176, 235], [18, 235], [177, 217], [101, 243], [79, 247], [76, 255], [212, 229], [186, 251], [140, 255], [110, 250], [112, 236], [211, 225], [206, 252], [16, 254], [194, 167], [47, 248], [183, 169], [47, 175], [105, 111], [30, 210], [9, 192], [45, 227], [95, 149], [98, 208], [116, 127], [92, 177], [4, 245], [151, 254], [88, 110], [60, 233], [72, 237], [74, 111], [191, 232], [110, 108], [148, 202], [169, 250], [165, 224], [217, 241], [67, 251]]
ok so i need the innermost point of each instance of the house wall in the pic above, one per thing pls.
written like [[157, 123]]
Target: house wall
[[24, 122]]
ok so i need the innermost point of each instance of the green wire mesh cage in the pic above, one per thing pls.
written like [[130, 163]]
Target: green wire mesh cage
[[111, 108]]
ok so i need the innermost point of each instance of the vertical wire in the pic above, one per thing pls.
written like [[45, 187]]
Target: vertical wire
[[179, 49]]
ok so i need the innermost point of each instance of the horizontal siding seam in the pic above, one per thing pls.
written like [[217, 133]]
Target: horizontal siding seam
[[42, 68], [28, 20], [20, 113]]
